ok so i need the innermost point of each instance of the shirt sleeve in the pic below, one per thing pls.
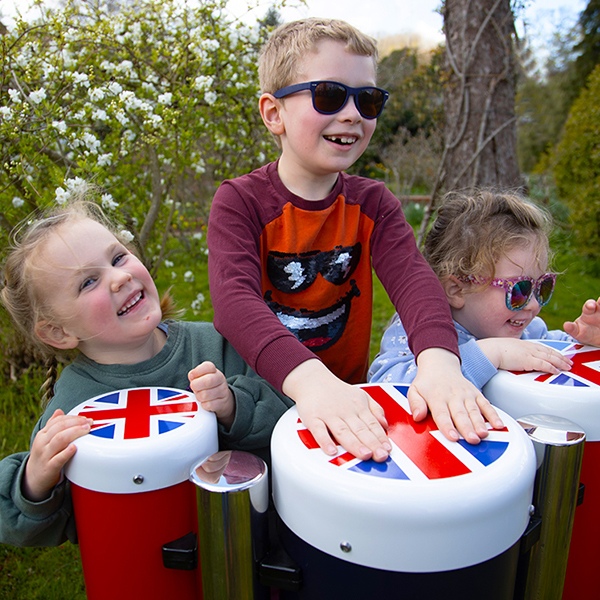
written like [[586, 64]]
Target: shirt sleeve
[[241, 314]]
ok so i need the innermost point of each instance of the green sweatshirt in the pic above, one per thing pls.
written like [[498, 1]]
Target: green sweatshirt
[[258, 408]]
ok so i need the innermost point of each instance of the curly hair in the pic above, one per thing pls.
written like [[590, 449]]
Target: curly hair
[[472, 231]]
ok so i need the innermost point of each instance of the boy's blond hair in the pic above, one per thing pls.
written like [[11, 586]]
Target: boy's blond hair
[[472, 231], [281, 56]]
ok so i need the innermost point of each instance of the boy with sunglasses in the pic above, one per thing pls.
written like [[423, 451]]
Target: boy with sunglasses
[[292, 246], [490, 251]]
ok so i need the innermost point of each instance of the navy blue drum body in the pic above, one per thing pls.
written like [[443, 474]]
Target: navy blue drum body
[[438, 519]]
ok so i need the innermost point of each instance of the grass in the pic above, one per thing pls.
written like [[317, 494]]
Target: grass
[[55, 573]]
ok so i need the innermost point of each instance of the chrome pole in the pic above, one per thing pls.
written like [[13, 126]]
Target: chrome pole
[[559, 446]]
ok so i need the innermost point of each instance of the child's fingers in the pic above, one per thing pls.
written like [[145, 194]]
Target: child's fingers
[[204, 368]]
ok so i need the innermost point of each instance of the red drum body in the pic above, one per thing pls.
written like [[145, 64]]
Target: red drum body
[[132, 495], [439, 519], [573, 395]]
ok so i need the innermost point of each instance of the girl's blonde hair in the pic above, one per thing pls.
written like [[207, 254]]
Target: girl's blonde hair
[[472, 231], [19, 294], [281, 56]]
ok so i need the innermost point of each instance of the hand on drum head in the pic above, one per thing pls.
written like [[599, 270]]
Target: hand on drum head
[[511, 354], [586, 328], [456, 405], [334, 411], [212, 391], [52, 448]]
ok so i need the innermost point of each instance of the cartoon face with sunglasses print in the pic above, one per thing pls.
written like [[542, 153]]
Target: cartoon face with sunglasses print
[[295, 273]]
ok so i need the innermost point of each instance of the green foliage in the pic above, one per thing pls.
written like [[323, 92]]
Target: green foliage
[[153, 103], [577, 167]]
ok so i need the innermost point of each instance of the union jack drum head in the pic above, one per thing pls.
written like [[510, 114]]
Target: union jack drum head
[[141, 440], [572, 395], [434, 505]]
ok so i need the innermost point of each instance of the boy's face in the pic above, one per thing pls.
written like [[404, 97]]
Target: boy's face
[[98, 292], [316, 145]]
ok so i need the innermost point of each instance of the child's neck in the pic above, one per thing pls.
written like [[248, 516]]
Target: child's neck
[[304, 184], [129, 354]]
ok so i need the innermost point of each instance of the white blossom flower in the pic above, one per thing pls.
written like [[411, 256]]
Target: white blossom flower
[[61, 195], [96, 94], [153, 120], [210, 45], [188, 276], [37, 95], [76, 184], [125, 66], [210, 97], [197, 235], [17, 202], [165, 98], [197, 303], [125, 236], [14, 95], [107, 66], [108, 202], [169, 264], [60, 126], [121, 117], [100, 115], [114, 88], [81, 78], [203, 82], [90, 140], [6, 112], [173, 275], [105, 159]]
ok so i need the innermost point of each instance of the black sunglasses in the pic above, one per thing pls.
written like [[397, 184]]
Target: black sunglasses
[[329, 97]]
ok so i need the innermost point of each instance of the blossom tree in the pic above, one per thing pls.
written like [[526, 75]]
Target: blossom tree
[[154, 103]]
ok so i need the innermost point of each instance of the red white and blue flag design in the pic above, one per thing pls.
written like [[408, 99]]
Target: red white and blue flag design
[[585, 371], [419, 450], [139, 413]]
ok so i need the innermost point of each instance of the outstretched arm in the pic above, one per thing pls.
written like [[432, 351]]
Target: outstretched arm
[[513, 354], [456, 405], [335, 411], [586, 328]]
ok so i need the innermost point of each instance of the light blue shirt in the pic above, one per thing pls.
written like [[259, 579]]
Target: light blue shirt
[[395, 362]]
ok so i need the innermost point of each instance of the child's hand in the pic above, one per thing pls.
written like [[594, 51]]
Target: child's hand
[[331, 408], [513, 354], [213, 467], [211, 390], [586, 328], [52, 448], [455, 403]]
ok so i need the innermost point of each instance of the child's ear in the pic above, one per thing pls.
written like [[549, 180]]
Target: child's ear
[[270, 111], [55, 336], [454, 289]]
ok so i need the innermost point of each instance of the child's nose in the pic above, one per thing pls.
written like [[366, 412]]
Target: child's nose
[[350, 111], [119, 279]]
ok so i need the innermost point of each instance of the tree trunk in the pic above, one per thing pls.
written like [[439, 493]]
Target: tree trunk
[[479, 98]]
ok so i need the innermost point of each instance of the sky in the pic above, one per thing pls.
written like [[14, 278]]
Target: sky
[[381, 18]]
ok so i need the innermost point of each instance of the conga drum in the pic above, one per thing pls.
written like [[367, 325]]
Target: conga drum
[[135, 507], [438, 519], [573, 395]]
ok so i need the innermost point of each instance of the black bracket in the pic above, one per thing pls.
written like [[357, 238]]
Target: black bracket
[[182, 553]]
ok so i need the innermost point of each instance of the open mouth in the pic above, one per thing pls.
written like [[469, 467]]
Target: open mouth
[[130, 304], [341, 140], [317, 330]]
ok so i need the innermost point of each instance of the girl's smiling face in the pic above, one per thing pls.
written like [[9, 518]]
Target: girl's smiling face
[[482, 309], [99, 297]]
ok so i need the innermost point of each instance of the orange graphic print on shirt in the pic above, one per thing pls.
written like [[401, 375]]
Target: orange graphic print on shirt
[[317, 279]]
